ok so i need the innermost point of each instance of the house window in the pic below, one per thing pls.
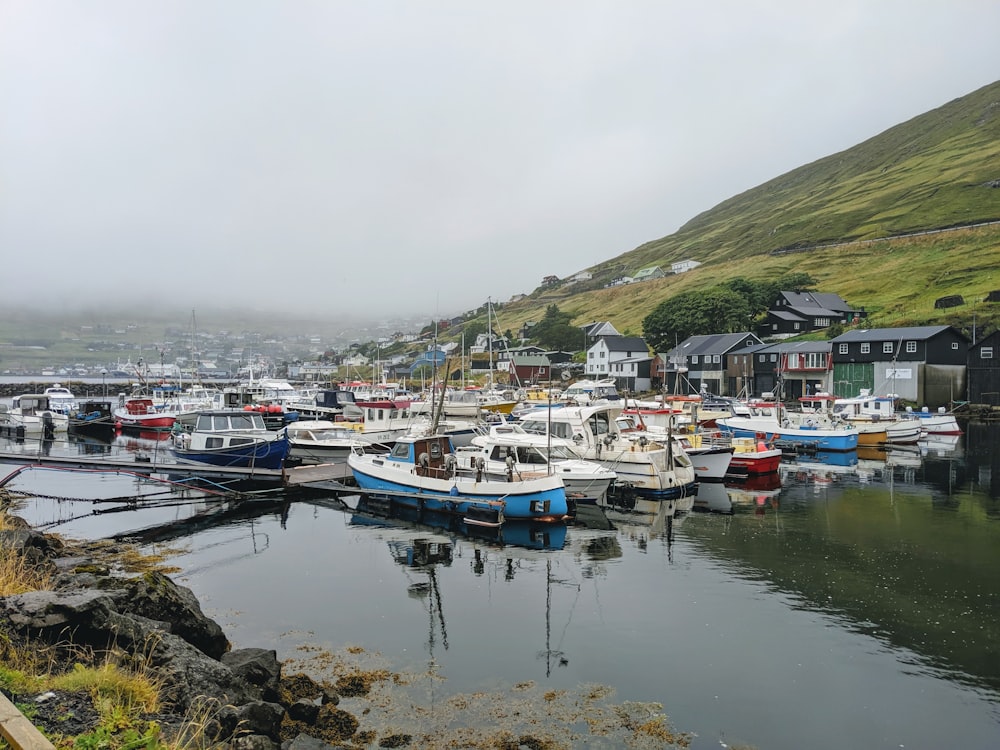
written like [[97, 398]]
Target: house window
[[954, 345], [821, 322], [716, 358], [774, 326], [986, 352], [774, 357], [911, 347], [602, 355], [843, 349], [817, 359], [887, 347], [865, 348], [590, 355], [694, 359], [797, 325], [762, 357]]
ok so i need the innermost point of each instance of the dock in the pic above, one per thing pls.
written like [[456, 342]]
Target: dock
[[320, 477]]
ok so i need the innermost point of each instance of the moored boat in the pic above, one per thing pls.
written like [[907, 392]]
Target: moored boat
[[92, 418], [316, 441], [229, 437], [422, 472], [32, 414], [61, 398], [771, 419], [940, 422], [140, 413], [507, 451], [647, 467]]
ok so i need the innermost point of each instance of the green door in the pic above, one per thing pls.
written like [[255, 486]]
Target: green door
[[850, 377]]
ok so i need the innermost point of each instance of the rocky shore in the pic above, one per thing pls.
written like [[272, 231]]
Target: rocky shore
[[241, 698]]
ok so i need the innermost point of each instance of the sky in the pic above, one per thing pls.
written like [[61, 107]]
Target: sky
[[420, 157]]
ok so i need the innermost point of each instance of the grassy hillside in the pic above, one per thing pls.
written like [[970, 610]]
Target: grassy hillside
[[941, 169]]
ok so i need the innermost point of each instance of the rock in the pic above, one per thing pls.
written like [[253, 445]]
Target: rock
[[305, 742], [253, 742], [304, 710], [156, 596], [258, 666]]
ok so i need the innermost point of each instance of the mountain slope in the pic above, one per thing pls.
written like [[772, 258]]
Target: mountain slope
[[938, 170]]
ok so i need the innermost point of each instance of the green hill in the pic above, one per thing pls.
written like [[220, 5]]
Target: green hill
[[848, 220]]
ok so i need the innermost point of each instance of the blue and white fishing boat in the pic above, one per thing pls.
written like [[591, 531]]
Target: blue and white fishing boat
[[422, 472], [231, 437], [772, 421]]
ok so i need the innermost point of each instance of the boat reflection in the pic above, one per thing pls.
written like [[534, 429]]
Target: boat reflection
[[713, 497], [369, 509]]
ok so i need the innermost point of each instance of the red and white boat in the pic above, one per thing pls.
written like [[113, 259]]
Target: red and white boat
[[753, 457], [141, 413]]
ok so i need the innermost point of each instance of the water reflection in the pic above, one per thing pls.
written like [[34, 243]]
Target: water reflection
[[864, 539], [872, 576]]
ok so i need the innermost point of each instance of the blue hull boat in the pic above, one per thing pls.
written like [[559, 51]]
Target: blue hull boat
[[230, 437], [421, 472]]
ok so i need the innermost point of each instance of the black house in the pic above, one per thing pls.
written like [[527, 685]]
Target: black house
[[922, 364], [800, 312], [983, 371]]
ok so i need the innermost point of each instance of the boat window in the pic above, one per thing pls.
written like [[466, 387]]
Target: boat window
[[213, 442], [220, 422], [435, 450], [240, 441], [242, 421], [532, 456], [400, 450]]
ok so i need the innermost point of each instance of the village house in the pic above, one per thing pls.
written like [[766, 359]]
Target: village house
[[608, 350], [793, 369], [925, 365], [646, 274], [698, 363], [527, 369], [682, 266], [795, 313]]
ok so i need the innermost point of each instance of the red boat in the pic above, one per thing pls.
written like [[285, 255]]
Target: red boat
[[140, 413], [753, 457]]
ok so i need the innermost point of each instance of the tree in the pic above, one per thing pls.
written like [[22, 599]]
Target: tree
[[715, 310], [554, 331]]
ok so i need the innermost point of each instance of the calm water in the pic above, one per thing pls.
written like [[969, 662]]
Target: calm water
[[854, 606]]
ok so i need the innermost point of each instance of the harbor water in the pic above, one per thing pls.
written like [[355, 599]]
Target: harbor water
[[853, 604]]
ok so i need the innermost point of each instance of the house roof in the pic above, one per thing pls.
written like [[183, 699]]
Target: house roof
[[828, 300], [893, 334], [784, 313], [625, 344], [529, 360], [643, 272], [603, 328], [713, 343]]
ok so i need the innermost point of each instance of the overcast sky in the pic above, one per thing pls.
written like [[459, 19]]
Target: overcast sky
[[366, 157]]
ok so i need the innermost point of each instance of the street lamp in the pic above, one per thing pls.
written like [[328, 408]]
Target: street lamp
[[104, 384]]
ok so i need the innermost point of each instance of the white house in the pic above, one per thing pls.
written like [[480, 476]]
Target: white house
[[608, 350], [683, 265]]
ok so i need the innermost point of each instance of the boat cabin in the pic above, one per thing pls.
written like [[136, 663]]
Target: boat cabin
[[32, 403], [429, 454], [140, 406], [230, 421]]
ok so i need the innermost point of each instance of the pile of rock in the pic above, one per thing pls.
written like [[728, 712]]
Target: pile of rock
[[241, 697]]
